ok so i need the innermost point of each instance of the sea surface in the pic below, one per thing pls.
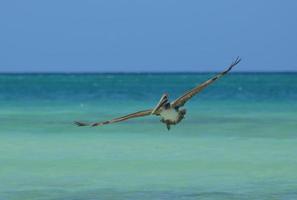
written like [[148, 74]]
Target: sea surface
[[237, 141]]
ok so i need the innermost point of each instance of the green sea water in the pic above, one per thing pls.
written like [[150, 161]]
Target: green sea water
[[237, 141]]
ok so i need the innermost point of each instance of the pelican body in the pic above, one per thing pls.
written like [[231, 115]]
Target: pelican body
[[170, 112], [169, 115]]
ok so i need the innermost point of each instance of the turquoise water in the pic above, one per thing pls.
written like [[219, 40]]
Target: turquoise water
[[237, 141]]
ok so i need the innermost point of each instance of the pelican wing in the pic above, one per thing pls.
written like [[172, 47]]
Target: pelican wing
[[119, 119], [189, 94]]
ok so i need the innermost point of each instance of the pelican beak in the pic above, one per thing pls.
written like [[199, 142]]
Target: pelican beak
[[162, 101]]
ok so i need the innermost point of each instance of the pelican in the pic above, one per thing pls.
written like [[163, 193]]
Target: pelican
[[170, 112]]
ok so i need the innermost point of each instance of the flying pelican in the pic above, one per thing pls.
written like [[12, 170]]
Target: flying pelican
[[170, 113]]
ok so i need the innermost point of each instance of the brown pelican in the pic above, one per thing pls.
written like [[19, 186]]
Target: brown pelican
[[170, 112]]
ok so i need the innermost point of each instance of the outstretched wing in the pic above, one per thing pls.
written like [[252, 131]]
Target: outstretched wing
[[119, 119], [188, 95]]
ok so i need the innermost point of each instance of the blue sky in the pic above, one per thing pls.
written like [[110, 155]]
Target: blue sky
[[147, 35]]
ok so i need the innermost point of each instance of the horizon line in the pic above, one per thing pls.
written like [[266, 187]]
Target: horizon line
[[141, 72]]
